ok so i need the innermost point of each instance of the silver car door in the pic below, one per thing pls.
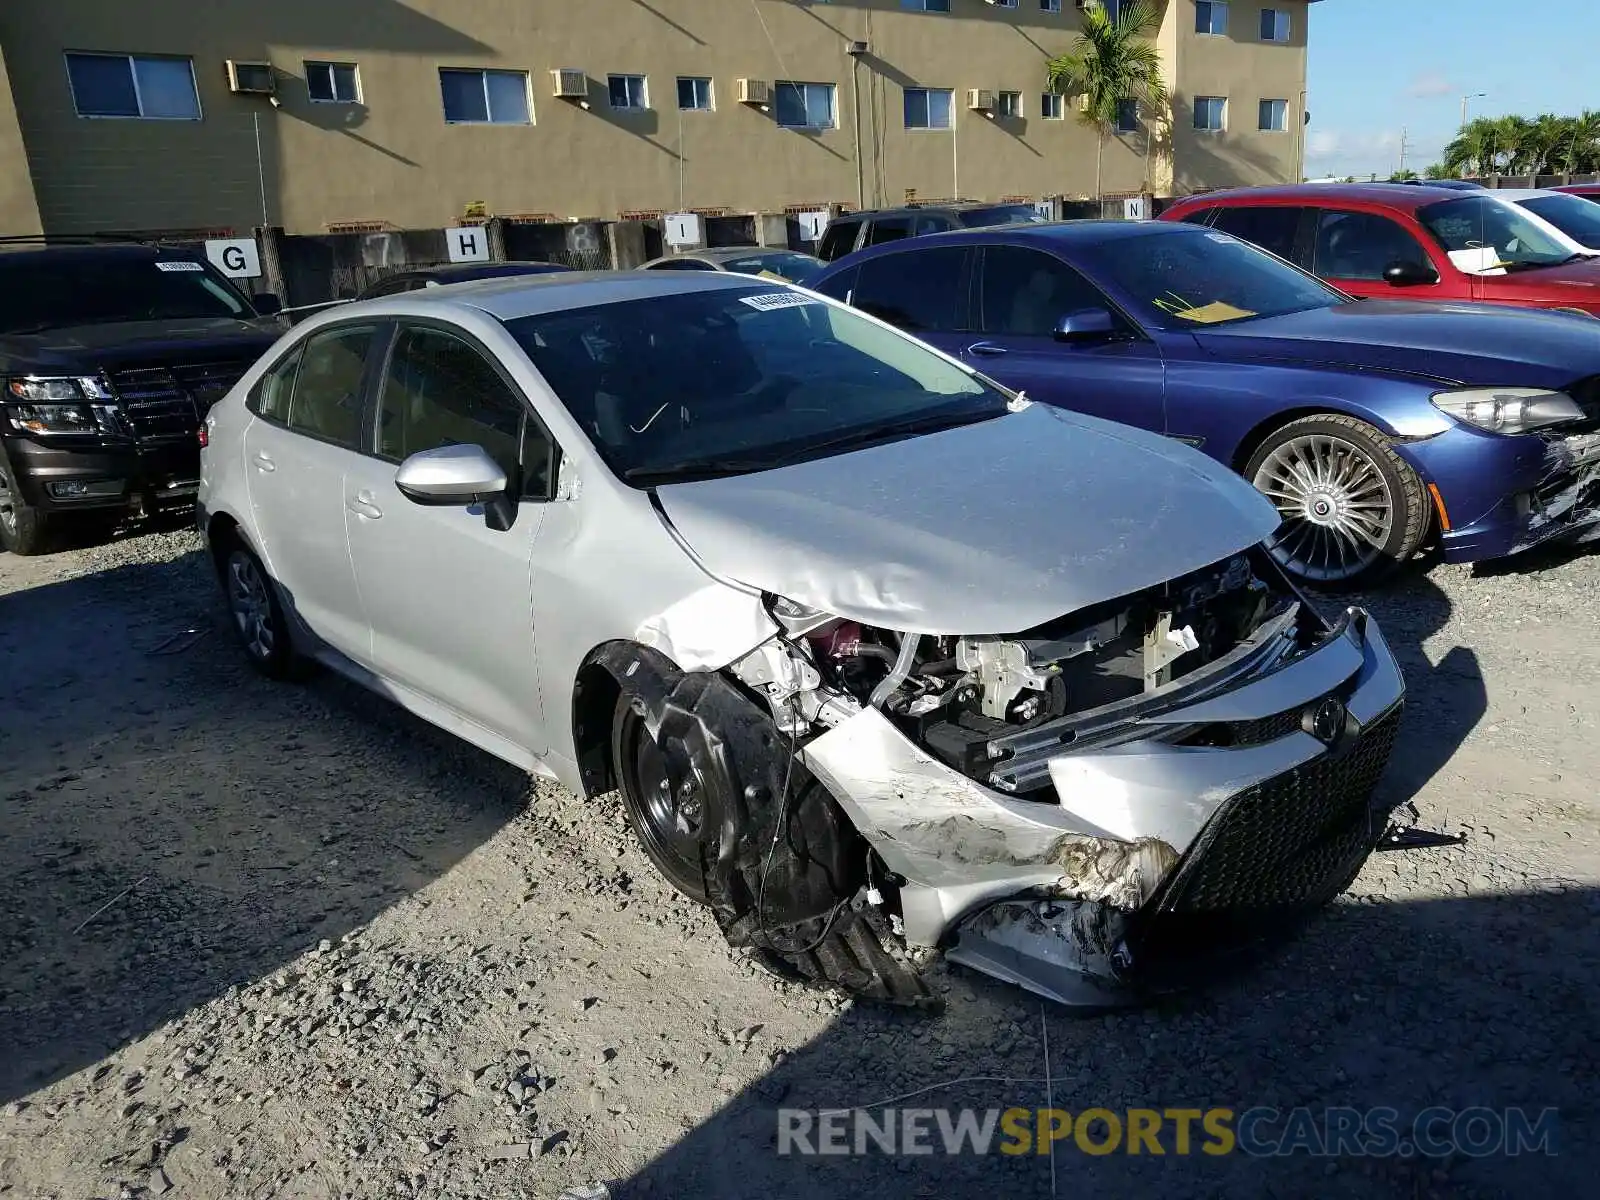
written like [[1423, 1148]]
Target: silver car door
[[304, 436], [447, 597]]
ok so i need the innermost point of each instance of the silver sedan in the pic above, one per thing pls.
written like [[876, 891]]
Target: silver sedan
[[878, 653]]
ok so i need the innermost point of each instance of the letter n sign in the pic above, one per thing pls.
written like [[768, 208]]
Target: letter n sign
[[468, 244]]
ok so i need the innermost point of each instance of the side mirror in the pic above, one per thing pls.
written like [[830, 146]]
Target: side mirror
[[1086, 325], [458, 477], [1407, 273], [267, 304]]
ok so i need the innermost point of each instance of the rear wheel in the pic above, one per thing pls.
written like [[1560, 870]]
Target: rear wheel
[[1353, 510], [23, 528]]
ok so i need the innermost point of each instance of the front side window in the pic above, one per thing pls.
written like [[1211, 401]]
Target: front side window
[[1210, 112], [1272, 227], [627, 91], [805, 105], [1211, 17], [38, 294], [729, 381], [333, 83], [1572, 215], [694, 93], [1487, 236], [1008, 104], [485, 97], [1025, 292], [326, 402], [888, 229], [1185, 277], [919, 291], [1362, 245], [1273, 116], [1052, 106], [441, 391], [133, 85], [838, 240], [929, 108], [1274, 25]]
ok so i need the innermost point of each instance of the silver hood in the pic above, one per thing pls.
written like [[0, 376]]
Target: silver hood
[[988, 528]]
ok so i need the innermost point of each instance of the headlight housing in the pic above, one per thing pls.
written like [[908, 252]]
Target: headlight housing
[[1509, 409], [56, 405]]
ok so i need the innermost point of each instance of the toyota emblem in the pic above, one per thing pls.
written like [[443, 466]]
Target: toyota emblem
[[1325, 721]]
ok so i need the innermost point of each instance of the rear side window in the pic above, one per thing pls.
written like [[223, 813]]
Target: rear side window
[[930, 225], [326, 402], [1360, 245], [1270, 227], [838, 240], [890, 229], [918, 291]]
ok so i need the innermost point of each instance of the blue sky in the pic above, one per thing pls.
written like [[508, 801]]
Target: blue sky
[[1377, 66]]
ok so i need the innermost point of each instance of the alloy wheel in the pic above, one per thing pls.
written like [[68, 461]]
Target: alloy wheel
[[8, 503], [250, 605], [1338, 513]]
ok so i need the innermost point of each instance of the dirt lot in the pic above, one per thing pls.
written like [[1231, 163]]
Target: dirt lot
[[265, 940]]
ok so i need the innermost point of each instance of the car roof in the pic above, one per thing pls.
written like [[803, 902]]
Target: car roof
[[92, 252], [1521, 193], [955, 206], [1045, 235], [486, 270], [1403, 197], [726, 253], [513, 296]]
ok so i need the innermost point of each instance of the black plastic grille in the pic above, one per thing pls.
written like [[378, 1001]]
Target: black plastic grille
[[1587, 393], [169, 402], [1290, 842]]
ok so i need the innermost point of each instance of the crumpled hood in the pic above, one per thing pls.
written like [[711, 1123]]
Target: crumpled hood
[[1460, 343], [988, 528]]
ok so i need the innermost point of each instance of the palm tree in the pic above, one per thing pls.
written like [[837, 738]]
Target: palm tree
[[1439, 170], [1112, 61]]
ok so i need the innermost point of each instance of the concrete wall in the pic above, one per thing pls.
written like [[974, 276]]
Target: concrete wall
[[392, 158], [19, 214]]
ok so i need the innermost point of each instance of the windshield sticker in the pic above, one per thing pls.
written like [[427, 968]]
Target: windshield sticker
[[1211, 314], [1478, 260], [772, 275], [768, 301], [179, 266]]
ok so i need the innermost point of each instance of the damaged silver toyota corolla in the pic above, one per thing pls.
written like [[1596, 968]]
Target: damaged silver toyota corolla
[[877, 653]]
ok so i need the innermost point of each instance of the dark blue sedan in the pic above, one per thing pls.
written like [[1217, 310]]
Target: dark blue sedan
[[1372, 425]]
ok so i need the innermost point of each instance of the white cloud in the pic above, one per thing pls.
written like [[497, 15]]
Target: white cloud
[[1331, 143], [1430, 85], [1341, 152]]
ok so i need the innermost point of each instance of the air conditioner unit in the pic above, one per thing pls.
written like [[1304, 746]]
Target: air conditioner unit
[[980, 99], [753, 91], [1081, 102], [252, 78], [570, 83]]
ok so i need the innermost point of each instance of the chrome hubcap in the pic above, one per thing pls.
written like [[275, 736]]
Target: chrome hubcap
[[1336, 508], [250, 605]]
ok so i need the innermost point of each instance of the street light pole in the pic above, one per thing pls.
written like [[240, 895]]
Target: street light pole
[[1464, 99]]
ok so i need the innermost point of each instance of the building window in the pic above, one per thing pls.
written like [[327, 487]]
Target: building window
[[333, 83], [1052, 6], [485, 97], [1211, 16], [133, 85], [1127, 116], [1052, 106], [1005, 3], [1274, 116], [694, 93], [930, 108], [628, 91], [926, 5], [1274, 25], [1210, 112], [1008, 104], [805, 105]]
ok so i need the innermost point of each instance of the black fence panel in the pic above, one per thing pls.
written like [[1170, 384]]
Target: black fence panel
[[581, 245], [731, 231], [318, 268]]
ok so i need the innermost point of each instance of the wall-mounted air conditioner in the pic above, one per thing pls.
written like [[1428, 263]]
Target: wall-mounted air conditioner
[[753, 91], [252, 78], [980, 99], [570, 83]]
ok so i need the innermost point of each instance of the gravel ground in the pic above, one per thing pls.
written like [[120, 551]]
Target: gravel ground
[[287, 941]]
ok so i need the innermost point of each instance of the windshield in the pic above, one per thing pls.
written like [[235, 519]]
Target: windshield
[[1484, 236], [785, 264], [725, 381], [1576, 218], [1181, 277], [1000, 214], [45, 292]]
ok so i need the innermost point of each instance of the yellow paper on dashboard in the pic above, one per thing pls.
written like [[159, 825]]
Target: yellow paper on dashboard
[[1210, 314]]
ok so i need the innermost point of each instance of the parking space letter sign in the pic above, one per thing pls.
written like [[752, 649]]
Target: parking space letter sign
[[468, 244], [682, 229], [237, 258], [1133, 208]]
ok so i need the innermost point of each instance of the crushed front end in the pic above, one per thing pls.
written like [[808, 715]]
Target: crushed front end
[[1086, 807]]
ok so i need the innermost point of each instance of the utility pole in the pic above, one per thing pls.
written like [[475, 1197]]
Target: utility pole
[[1401, 170]]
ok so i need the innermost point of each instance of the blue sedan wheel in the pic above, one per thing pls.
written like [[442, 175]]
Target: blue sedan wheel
[[1352, 508]]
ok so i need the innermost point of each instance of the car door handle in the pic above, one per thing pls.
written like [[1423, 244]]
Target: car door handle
[[264, 462], [986, 350], [364, 504]]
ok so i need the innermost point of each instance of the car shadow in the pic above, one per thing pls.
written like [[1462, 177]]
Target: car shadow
[[172, 825]]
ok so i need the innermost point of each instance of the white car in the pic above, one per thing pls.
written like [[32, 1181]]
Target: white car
[[1575, 220], [875, 650]]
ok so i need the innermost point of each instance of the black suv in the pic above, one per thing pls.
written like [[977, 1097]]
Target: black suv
[[852, 231], [110, 355]]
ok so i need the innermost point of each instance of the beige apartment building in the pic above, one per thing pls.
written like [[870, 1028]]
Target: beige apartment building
[[317, 114]]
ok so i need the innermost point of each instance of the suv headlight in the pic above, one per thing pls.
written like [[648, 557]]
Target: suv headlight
[[56, 405], [1510, 409]]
